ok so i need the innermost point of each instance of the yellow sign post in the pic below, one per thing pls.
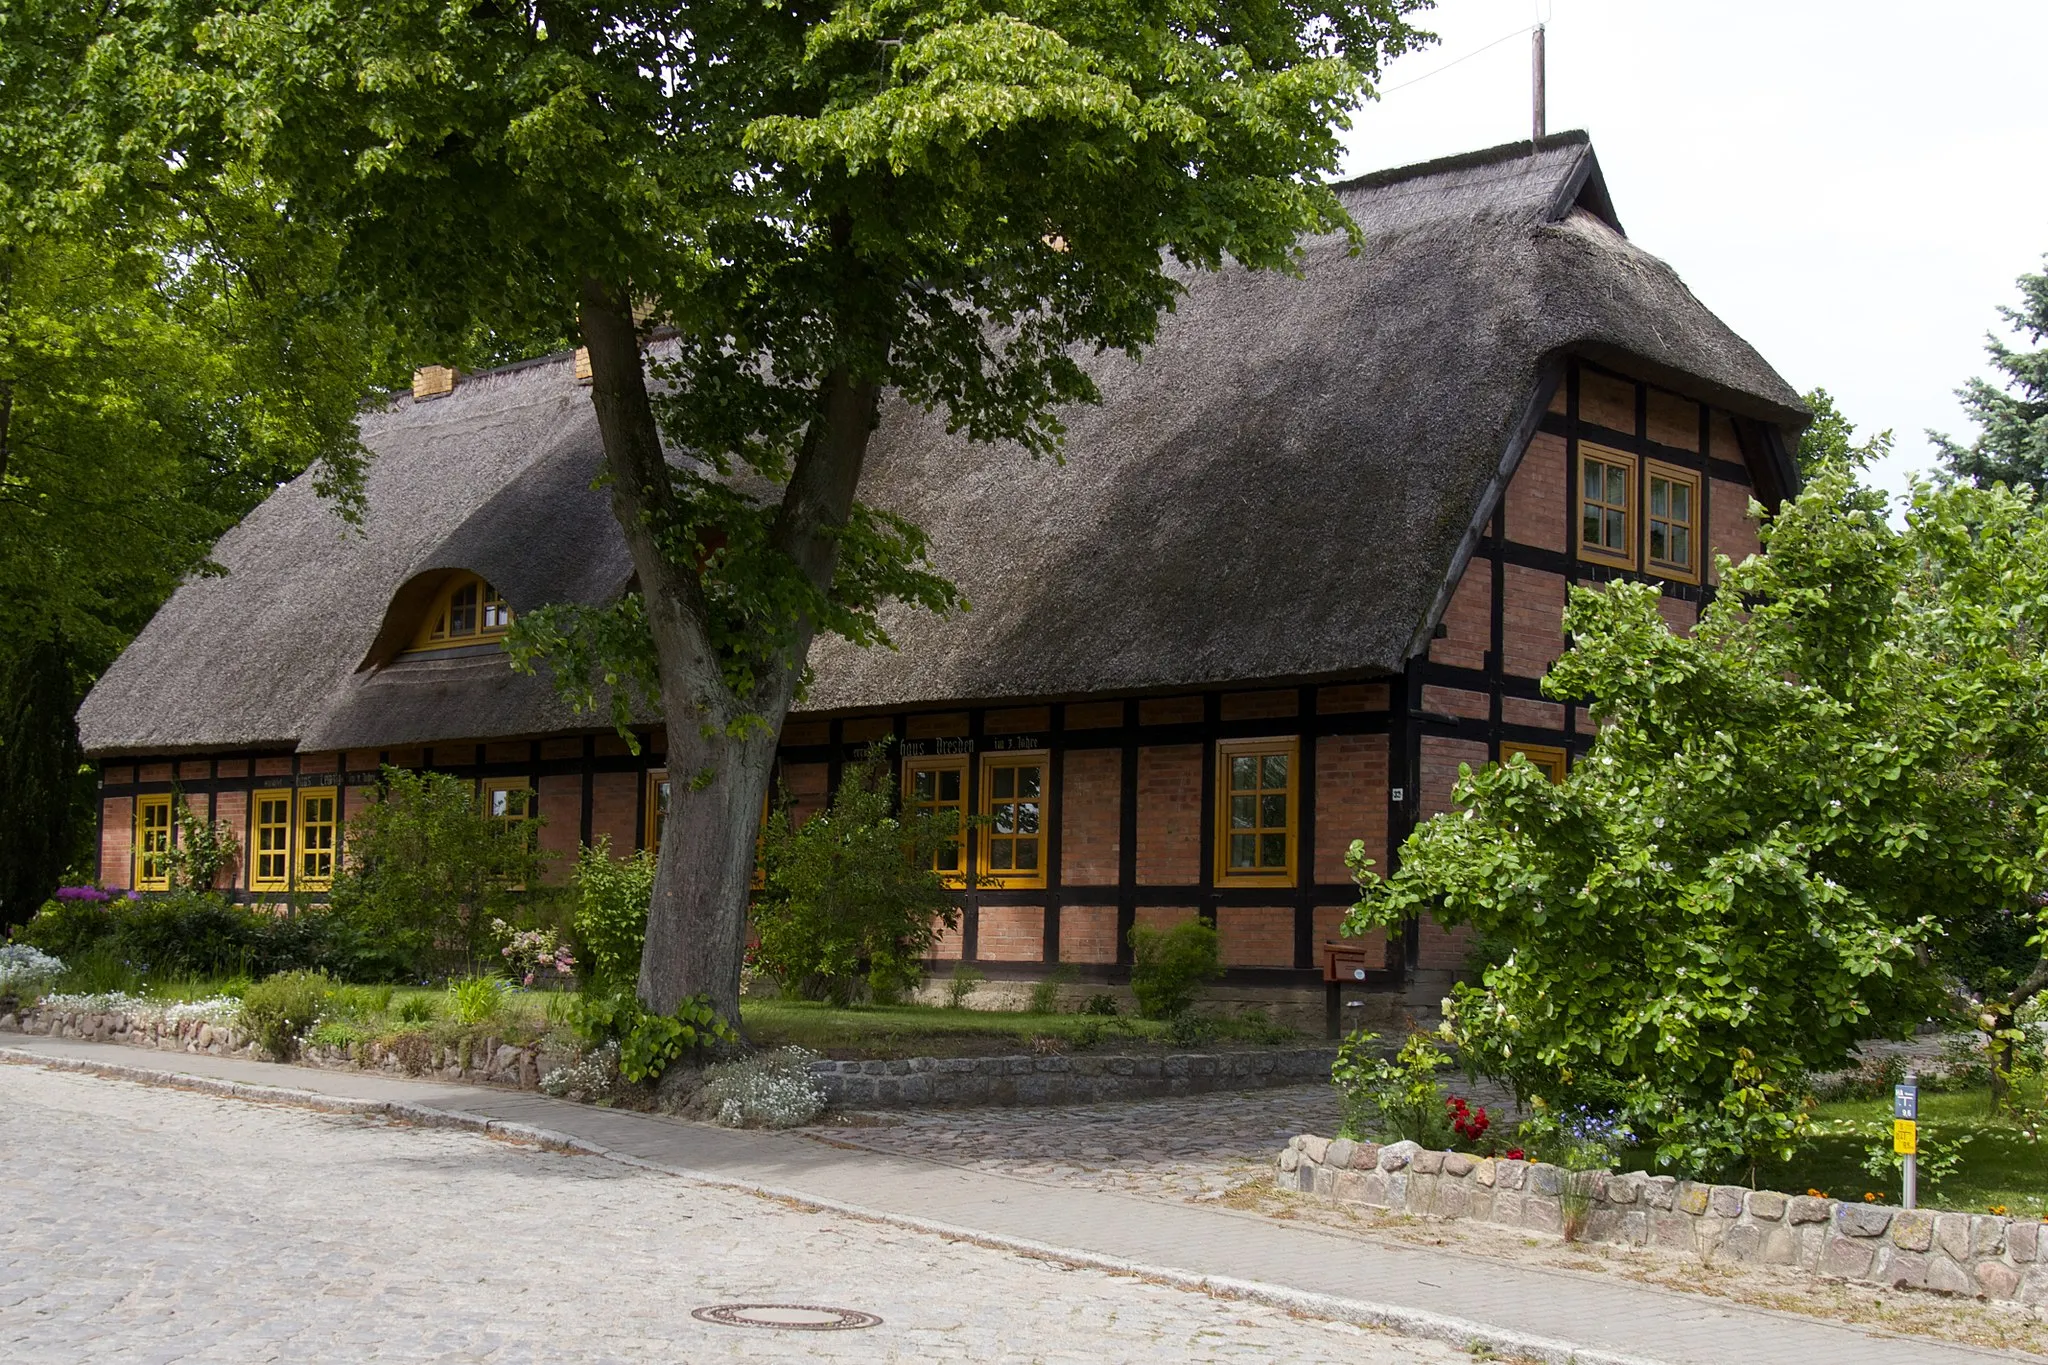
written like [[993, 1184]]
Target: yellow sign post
[[1905, 1137]]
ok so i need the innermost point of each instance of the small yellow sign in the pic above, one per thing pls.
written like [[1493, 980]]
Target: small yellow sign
[[1905, 1137]]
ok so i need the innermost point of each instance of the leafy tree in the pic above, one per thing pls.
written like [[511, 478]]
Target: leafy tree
[[159, 374], [850, 896], [1790, 824], [1829, 441], [809, 204], [428, 870], [2012, 420]]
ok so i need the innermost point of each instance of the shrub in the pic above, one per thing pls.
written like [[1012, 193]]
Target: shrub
[[1170, 966], [428, 870], [965, 980], [1188, 1029], [767, 1090], [281, 1009], [69, 925], [1395, 1098], [203, 848], [1102, 1004], [475, 999], [416, 1009], [193, 933], [851, 897], [648, 1043], [26, 972], [1045, 993], [612, 897]]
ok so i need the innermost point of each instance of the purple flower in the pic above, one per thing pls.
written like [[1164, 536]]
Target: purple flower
[[81, 893]]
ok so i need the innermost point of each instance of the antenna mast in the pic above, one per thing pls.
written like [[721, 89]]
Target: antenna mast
[[1536, 83]]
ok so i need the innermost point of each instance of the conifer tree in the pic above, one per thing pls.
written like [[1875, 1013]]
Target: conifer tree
[[2012, 440]]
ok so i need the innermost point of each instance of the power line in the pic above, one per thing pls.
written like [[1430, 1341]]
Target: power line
[[1390, 89]]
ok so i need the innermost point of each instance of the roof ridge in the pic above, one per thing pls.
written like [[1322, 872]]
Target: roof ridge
[[1486, 156]]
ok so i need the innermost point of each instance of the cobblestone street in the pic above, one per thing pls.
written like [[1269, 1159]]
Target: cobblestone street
[[159, 1225]]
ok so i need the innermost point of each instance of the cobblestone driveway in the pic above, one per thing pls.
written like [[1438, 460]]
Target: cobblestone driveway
[[156, 1225], [1194, 1147]]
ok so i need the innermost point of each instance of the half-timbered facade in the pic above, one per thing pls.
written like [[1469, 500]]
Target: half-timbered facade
[[1308, 557]]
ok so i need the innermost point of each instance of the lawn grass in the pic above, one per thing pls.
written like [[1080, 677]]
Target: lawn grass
[[888, 1031], [2000, 1167]]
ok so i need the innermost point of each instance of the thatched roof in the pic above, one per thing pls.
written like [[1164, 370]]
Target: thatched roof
[[1280, 489]]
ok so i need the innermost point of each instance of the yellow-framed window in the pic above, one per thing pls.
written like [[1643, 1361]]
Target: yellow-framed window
[[938, 787], [467, 611], [316, 838], [1014, 789], [153, 843], [1548, 757], [1258, 811], [1607, 481], [272, 867], [508, 798], [1671, 509], [657, 807]]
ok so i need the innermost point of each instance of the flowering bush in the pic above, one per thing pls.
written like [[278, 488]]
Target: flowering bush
[[767, 1090], [530, 952], [84, 893], [1468, 1123], [592, 1076], [26, 971], [1579, 1139]]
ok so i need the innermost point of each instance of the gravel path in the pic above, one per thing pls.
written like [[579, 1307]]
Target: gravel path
[[149, 1224]]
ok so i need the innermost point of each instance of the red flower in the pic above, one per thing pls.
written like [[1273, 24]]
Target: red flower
[[1514, 1154]]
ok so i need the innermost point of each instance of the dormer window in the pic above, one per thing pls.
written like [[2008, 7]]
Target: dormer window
[[468, 611]]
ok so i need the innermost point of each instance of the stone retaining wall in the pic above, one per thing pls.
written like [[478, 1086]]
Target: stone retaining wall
[[485, 1059], [1957, 1253], [1087, 1078]]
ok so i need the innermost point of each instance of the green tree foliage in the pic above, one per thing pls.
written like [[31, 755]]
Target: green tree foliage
[[1790, 828], [1830, 440], [170, 350], [428, 870], [849, 897], [2012, 418], [822, 201], [45, 793]]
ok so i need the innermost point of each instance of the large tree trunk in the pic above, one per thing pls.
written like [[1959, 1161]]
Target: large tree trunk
[[696, 926]]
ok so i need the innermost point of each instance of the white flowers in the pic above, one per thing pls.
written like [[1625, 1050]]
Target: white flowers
[[767, 1090], [221, 1011], [25, 970]]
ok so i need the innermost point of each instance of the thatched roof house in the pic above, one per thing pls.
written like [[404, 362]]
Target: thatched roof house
[[1370, 474]]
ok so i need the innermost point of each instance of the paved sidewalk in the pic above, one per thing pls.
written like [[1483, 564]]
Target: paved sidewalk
[[1538, 1311]]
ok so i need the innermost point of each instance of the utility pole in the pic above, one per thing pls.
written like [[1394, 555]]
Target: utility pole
[[1536, 81]]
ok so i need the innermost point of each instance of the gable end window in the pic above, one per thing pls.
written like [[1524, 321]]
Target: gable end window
[[1257, 811], [468, 611], [1671, 501], [153, 843], [1606, 506]]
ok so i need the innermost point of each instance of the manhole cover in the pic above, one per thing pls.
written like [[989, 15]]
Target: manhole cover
[[790, 1317]]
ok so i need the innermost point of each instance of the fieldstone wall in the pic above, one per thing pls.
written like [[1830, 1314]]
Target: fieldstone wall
[[1088, 1078], [480, 1059], [1957, 1253]]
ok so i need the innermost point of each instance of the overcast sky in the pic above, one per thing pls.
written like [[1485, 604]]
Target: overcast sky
[[1852, 185]]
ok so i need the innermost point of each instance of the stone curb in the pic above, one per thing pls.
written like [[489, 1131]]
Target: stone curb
[[1414, 1322]]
